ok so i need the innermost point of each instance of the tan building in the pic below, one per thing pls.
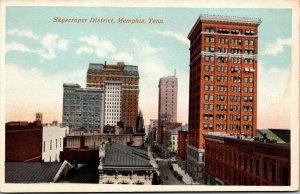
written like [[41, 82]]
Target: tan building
[[128, 75]]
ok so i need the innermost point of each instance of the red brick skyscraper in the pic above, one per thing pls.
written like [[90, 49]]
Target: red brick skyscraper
[[223, 78]]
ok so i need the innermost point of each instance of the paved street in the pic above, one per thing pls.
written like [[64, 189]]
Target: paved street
[[165, 171]]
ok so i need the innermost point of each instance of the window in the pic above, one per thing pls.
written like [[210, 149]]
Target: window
[[251, 165], [274, 173], [257, 167], [206, 58], [50, 144], [55, 143], [265, 169]]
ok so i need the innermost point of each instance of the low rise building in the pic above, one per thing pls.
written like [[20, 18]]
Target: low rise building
[[23, 141], [238, 160], [53, 142], [121, 164]]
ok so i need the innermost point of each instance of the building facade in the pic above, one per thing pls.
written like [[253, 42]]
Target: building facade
[[231, 160], [223, 80], [83, 108], [39, 117], [23, 141], [182, 138], [113, 103], [121, 164], [53, 142], [128, 75], [167, 102]]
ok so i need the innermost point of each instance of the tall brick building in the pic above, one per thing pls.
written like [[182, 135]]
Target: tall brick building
[[100, 74], [223, 81]]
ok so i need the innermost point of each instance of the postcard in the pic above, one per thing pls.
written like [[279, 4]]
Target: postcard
[[146, 96]]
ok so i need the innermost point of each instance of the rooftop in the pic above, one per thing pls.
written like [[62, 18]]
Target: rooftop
[[117, 155], [280, 135], [225, 19], [98, 68], [31, 172], [242, 137]]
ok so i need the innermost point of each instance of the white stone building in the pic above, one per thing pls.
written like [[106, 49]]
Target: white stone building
[[53, 142], [113, 102]]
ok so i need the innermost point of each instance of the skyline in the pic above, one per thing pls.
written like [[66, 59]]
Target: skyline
[[42, 55]]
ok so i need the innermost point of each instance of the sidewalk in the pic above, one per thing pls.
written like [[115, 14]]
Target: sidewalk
[[185, 177]]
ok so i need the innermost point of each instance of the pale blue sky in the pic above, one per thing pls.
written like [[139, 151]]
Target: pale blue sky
[[158, 49]]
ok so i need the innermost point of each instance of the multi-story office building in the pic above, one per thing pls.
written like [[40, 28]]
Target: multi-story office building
[[113, 100], [167, 102], [128, 75], [223, 80], [83, 108]]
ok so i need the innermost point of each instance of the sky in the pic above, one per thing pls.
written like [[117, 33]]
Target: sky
[[41, 55]]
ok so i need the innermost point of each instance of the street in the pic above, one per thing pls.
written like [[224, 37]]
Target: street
[[164, 172]]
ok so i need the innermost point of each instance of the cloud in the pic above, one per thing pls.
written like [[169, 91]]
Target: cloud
[[51, 43], [177, 36], [123, 56], [29, 91], [96, 45], [84, 49], [145, 46], [23, 33], [276, 47], [273, 95], [15, 46]]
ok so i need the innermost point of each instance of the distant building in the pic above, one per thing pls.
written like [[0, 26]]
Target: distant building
[[113, 102], [223, 81], [140, 128], [53, 142], [23, 141], [80, 153], [153, 123], [171, 139], [39, 117], [95, 139], [166, 142], [83, 108], [121, 164], [238, 160], [128, 75], [167, 101]]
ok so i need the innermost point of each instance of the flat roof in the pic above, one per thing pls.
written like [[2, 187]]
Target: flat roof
[[225, 19]]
